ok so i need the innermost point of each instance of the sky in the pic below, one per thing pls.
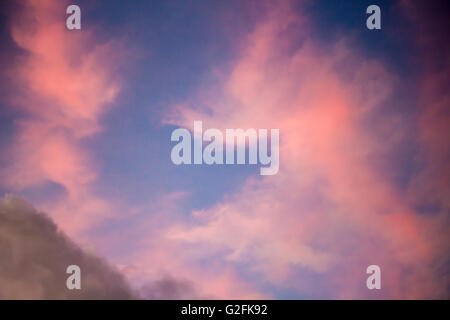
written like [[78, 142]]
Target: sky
[[86, 118]]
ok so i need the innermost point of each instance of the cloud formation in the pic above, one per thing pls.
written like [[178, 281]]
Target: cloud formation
[[333, 209], [168, 288], [35, 255], [64, 82]]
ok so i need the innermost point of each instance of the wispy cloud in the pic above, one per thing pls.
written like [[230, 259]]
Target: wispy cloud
[[66, 81], [331, 211]]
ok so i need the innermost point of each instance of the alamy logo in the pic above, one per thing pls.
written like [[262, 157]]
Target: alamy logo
[[73, 21], [213, 152], [374, 20], [374, 280], [74, 280]]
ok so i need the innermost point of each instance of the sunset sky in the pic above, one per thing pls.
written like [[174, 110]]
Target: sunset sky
[[364, 116]]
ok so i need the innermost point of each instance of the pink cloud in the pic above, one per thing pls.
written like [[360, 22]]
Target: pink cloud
[[67, 81], [146, 254], [330, 210]]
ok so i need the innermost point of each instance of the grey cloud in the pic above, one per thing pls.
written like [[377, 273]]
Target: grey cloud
[[168, 288], [34, 256]]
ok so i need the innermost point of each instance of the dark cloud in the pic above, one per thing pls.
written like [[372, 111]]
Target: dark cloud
[[34, 256], [430, 25], [430, 187], [168, 288]]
